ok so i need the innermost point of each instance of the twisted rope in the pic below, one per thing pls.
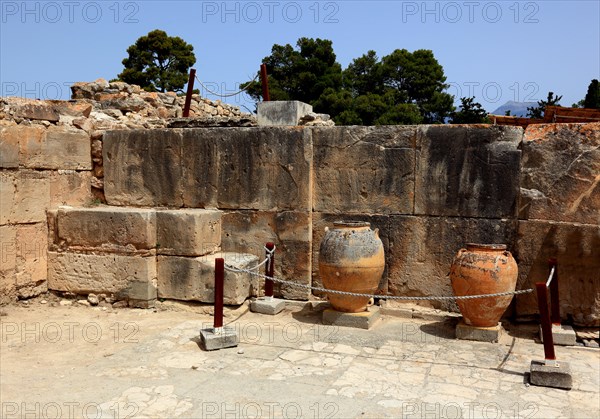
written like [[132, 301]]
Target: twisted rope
[[382, 297]]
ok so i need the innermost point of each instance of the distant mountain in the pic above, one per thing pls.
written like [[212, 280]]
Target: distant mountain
[[515, 108]]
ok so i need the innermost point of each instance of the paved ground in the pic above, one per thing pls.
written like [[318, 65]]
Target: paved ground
[[74, 361]]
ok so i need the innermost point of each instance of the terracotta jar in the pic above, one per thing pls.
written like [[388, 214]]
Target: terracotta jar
[[351, 258], [483, 269]]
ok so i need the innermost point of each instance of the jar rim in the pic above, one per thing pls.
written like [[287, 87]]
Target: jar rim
[[482, 246], [352, 224]]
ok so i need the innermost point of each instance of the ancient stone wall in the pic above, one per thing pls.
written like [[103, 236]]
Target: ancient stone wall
[[429, 189]]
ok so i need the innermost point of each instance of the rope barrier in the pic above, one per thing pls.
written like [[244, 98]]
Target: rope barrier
[[550, 276], [383, 297], [268, 258], [230, 94]]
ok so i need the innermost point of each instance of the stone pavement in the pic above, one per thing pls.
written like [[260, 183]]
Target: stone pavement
[[75, 361]]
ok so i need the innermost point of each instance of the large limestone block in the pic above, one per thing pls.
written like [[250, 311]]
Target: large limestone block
[[560, 174], [468, 171], [31, 196], [290, 231], [31, 258], [9, 145], [128, 277], [200, 167], [188, 279], [70, 187], [364, 169], [264, 168], [577, 250], [107, 229], [143, 167], [188, 232], [281, 112], [7, 195], [320, 221], [8, 263], [34, 109], [421, 250], [59, 147]]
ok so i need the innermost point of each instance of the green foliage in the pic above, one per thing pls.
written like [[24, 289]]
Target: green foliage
[[470, 112], [158, 62], [592, 97], [537, 112], [401, 88], [507, 112], [580, 104]]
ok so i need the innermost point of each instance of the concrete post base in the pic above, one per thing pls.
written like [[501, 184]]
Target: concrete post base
[[563, 335], [482, 334], [362, 320], [266, 305], [212, 339], [547, 375]]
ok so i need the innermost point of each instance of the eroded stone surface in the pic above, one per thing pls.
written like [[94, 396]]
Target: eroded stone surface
[[577, 250], [364, 169], [193, 279], [560, 177], [188, 232], [467, 171], [290, 231]]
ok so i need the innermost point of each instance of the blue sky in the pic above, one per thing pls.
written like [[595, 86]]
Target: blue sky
[[494, 50]]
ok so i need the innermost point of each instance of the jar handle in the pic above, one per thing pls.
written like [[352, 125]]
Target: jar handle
[[376, 232]]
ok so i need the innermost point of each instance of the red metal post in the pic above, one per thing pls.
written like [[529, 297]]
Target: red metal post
[[554, 304], [269, 269], [542, 295], [219, 281], [188, 95], [264, 80]]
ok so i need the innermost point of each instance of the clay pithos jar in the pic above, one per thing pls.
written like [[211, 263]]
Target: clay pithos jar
[[483, 269], [351, 258]]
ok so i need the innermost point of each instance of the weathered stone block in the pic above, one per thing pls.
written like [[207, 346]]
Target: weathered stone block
[[31, 258], [364, 169], [265, 168], [560, 174], [577, 250], [35, 109], [8, 263], [557, 376], [421, 250], [213, 340], [59, 147], [143, 167], [31, 197], [7, 196], [468, 171], [281, 112], [249, 231], [9, 146], [320, 221], [267, 305], [128, 277], [188, 232], [363, 320], [193, 279], [562, 334], [483, 334], [107, 229], [200, 167], [70, 187]]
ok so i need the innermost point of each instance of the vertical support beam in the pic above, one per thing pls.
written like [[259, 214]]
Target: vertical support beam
[[219, 282], [264, 80], [269, 269], [188, 95], [554, 300], [542, 295]]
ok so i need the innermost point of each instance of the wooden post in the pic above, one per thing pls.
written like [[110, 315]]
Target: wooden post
[[269, 269], [219, 283], [542, 295], [188, 95], [264, 82]]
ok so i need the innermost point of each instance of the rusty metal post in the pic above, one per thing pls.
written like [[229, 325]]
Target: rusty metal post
[[188, 95], [264, 80], [554, 304], [269, 269], [542, 295], [219, 282]]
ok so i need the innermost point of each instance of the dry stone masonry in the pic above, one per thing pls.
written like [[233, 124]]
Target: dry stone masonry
[[182, 191]]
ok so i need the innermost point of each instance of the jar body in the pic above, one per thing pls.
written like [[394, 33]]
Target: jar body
[[483, 269], [351, 258]]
